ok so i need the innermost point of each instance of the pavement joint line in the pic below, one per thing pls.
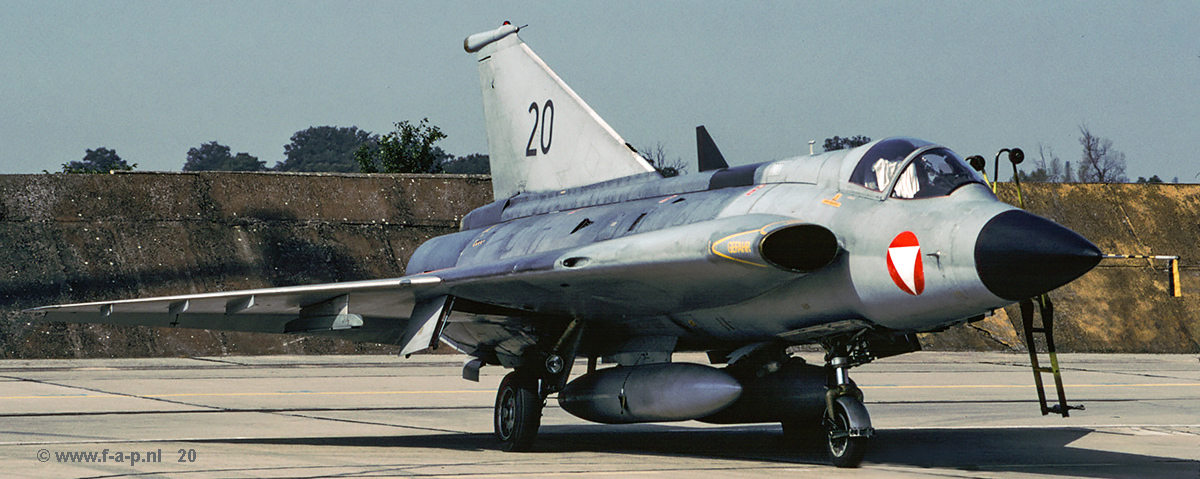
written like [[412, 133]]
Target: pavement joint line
[[995, 386], [368, 470], [921, 471], [110, 394], [1022, 401], [623, 472], [150, 441], [207, 472], [372, 423], [250, 410], [677, 429], [217, 408], [548, 406], [215, 360], [1066, 367], [276, 393], [330, 375], [1128, 373], [1009, 467], [161, 397], [1094, 427], [216, 364], [152, 398]]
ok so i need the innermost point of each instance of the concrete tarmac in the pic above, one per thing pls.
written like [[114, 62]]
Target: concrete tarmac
[[937, 415]]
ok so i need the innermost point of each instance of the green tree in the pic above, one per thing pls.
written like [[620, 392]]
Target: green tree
[[408, 149], [100, 160], [324, 148], [473, 164], [1152, 179], [838, 143], [213, 156]]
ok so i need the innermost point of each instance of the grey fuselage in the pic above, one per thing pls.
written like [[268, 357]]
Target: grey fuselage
[[642, 256]]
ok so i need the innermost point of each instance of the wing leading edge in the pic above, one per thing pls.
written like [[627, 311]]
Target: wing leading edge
[[373, 310]]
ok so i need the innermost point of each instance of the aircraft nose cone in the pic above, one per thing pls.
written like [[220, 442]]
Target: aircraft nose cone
[[1020, 255]]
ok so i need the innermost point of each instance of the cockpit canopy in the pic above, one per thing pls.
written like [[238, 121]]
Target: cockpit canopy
[[912, 169]]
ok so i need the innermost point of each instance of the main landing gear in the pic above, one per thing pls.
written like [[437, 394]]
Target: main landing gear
[[523, 392], [518, 412]]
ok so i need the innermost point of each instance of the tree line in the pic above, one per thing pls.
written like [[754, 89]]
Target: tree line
[[410, 148], [1098, 162]]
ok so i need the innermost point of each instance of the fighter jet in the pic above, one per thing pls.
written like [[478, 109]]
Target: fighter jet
[[588, 252]]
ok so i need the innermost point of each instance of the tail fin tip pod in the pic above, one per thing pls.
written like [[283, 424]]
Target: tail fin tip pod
[[541, 135], [479, 40]]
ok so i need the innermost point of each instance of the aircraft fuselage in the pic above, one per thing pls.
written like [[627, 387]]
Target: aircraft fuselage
[[679, 257]]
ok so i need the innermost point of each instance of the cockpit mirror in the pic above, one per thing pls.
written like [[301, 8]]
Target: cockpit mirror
[[977, 163], [1016, 156]]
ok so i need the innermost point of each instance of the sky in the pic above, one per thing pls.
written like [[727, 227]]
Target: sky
[[152, 79]]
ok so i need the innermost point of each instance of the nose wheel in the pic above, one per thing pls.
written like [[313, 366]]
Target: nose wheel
[[847, 424], [845, 445], [518, 412]]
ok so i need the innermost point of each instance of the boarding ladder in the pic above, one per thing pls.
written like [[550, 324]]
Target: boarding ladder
[[1044, 306], [1046, 309]]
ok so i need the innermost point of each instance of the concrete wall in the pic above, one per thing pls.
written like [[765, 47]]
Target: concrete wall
[[69, 238]]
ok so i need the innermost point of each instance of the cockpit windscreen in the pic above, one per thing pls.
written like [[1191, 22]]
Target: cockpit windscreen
[[935, 172]]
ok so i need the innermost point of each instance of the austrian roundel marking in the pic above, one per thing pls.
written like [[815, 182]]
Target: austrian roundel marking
[[904, 263]]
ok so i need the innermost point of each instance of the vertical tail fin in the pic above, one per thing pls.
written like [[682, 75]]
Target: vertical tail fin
[[541, 135]]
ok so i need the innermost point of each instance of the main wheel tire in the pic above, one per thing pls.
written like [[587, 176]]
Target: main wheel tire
[[518, 413], [844, 450]]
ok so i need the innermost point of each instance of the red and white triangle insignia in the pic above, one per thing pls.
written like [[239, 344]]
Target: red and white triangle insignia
[[904, 263]]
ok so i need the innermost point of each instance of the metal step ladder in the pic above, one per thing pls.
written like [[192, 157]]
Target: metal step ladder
[[1046, 308]]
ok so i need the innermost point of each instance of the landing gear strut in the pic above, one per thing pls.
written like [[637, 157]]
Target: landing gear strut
[[523, 392], [847, 424]]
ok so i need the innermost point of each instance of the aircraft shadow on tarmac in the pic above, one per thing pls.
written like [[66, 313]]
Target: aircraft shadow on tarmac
[[1038, 451]]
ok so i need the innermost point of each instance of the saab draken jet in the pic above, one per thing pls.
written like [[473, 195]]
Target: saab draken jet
[[588, 252]]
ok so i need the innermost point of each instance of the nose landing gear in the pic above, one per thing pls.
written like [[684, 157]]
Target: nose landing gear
[[846, 421], [847, 424]]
